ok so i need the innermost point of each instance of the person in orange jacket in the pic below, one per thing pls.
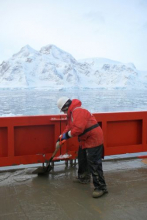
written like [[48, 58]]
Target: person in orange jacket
[[81, 123]]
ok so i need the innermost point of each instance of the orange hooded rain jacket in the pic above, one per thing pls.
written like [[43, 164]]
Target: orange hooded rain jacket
[[79, 119]]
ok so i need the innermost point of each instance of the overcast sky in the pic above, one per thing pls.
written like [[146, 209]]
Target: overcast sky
[[113, 29]]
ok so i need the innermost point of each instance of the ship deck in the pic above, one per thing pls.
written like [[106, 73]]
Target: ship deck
[[27, 196]]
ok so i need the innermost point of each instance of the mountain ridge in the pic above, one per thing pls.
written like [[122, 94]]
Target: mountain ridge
[[54, 68]]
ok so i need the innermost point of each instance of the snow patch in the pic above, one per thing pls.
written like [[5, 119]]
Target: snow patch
[[64, 156]]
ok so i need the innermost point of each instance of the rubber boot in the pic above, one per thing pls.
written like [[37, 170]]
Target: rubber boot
[[98, 192], [81, 180]]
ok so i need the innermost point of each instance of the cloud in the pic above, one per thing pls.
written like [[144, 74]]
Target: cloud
[[143, 3], [95, 16], [144, 26]]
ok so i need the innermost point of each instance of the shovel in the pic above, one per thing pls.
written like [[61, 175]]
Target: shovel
[[48, 168]]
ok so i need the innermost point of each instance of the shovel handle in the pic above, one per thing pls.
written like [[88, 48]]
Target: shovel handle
[[57, 148], [62, 142]]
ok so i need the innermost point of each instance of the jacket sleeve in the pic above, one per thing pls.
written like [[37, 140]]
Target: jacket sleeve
[[66, 129], [80, 118]]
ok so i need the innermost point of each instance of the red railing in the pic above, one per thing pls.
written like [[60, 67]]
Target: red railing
[[32, 139]]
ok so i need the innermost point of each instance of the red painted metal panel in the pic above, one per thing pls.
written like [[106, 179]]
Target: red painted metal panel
[[3, 142], [32, 139], [28, 139], [123, 132]]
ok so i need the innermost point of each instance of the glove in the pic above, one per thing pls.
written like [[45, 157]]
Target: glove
[[62, 138], [65, 136]]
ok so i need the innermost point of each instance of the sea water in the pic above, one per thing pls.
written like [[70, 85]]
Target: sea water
[[44, 102]]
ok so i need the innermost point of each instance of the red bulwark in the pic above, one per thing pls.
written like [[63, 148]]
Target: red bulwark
[[32, 139]]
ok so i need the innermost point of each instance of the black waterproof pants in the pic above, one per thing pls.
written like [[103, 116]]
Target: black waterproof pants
[[90, 161]]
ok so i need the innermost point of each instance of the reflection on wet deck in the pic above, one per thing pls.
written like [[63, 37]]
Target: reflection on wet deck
[[56, 197]]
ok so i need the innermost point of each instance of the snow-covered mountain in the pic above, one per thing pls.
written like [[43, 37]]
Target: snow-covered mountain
[[54, 68]]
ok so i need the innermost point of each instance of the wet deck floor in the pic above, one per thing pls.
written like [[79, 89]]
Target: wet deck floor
[[25, 196]]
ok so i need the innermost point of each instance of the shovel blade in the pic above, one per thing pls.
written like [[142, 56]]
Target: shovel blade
[[43, 170]]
